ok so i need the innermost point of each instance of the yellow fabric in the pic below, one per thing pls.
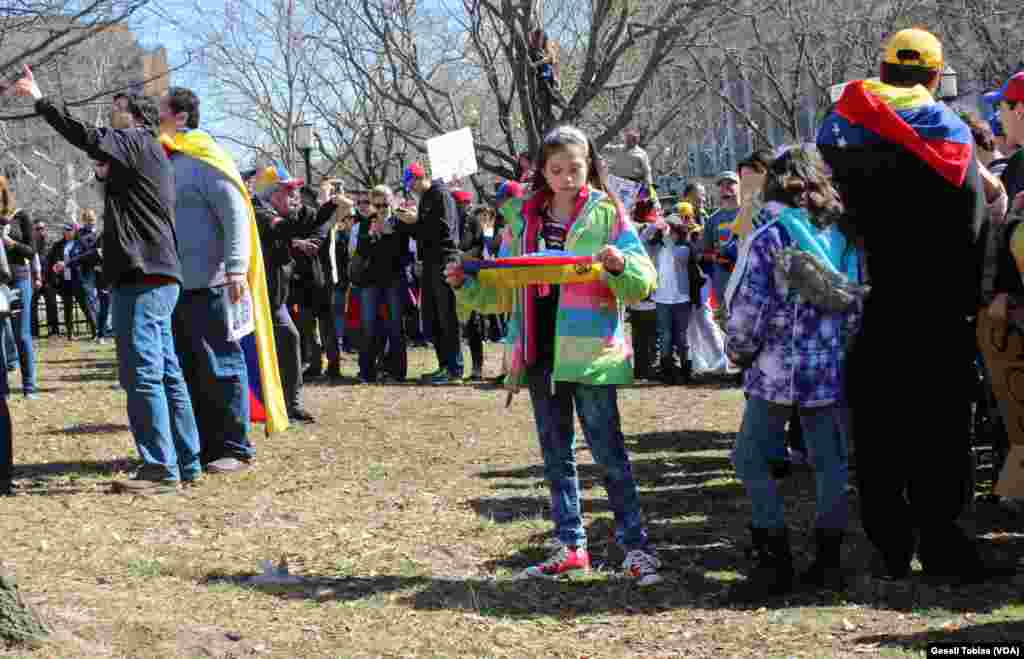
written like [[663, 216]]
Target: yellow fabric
[[512, 278], [925, 46], [1017, 247], [898, 98], [199, 145]]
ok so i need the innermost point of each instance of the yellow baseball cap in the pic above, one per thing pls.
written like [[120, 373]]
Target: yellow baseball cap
[[914, 47]]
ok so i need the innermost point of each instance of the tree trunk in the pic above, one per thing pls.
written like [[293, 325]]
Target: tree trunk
[[18, 622]]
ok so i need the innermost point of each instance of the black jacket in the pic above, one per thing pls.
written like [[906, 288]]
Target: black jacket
[[138, 214], [917, 229], [56, 254], [383, 253], [304, 224], [436, 230], [23, 249]]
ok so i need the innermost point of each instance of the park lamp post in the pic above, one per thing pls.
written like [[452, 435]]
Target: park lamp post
[[948, 84], [304, 142]]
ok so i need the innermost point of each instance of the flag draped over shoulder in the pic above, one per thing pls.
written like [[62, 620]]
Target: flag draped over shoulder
[[266, 396], [544, 267], [870, 111]]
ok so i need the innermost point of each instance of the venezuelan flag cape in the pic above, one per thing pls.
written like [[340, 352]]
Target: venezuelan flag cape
[[871, 112], [544, 267], [266, 397]]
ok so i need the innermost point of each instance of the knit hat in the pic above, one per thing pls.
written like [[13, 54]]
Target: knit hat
[[413, 173], [508, 189]]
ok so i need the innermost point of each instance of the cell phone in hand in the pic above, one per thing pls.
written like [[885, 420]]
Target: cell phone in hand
[[337, 187]]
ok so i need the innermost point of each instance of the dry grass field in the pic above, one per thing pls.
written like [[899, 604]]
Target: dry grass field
[[404, 513]]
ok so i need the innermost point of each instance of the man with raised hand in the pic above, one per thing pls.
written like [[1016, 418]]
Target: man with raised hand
[[139, 246]]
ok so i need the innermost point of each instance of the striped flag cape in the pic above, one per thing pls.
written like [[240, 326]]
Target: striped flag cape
[[544, 267], [870, 112], [266, 397]]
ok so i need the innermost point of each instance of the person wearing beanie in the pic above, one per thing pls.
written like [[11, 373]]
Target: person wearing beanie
[[435, 226]]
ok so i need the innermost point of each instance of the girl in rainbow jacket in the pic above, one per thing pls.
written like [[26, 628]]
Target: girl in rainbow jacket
[[568, 345]]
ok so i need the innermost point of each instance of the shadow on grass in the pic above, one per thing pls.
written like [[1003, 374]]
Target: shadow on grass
[[1008, 632], [76, 468], [90, 429], [103, 376]]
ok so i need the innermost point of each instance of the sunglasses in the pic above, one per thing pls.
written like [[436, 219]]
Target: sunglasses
[[380, 205]]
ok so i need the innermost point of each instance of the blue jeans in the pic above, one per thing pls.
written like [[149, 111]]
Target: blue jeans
[[215, 373], [339, 312], [22, 326], [104, 324], [673, 320], [10, 346], [159, 407], [763, 435], [87, 280], [370, 299], [598, 410], [6, 429]]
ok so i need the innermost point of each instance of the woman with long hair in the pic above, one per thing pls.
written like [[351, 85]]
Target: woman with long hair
[[793, 347], [18, 243], [568, 342]]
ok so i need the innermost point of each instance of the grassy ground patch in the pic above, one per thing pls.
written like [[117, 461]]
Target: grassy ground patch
[[406, 511]]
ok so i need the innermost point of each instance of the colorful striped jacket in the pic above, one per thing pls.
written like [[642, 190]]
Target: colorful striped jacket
[[590, 342]]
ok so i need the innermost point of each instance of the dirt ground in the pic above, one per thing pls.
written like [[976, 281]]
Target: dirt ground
[[403, 515]]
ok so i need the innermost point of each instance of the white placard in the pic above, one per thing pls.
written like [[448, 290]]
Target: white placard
[[625, 189], [241, 320], [452, 155]]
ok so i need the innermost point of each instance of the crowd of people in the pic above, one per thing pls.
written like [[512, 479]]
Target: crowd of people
[[794, 282]]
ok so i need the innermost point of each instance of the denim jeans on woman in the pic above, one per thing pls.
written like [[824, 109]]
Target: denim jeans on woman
[[371, 297], [159, 407], [762, 437], [598, 410], [673, 321], [22, 326], [6, 430]]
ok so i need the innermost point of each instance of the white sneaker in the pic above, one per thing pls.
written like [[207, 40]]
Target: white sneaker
[[643, 567]]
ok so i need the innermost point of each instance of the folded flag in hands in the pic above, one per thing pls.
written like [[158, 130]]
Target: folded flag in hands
[[545, 267]]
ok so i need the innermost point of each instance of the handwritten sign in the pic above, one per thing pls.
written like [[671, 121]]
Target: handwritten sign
[[452, 155], [626, 190]]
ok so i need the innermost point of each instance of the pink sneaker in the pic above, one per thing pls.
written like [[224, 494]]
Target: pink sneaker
[[565, 561]]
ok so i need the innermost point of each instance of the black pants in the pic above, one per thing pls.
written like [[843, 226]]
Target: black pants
[[438, 309], [72, 293], [319, 310], [49, 296], [475, 339], [289, 357], [911, 440], [645, 331]]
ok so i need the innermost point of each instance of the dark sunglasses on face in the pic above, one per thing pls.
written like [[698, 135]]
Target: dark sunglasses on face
[[379, 206]]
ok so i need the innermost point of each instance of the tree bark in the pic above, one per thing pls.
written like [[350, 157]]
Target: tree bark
[[18, 622]]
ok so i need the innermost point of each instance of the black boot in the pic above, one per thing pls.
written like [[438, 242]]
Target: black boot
[[826, 571], [773, 572]]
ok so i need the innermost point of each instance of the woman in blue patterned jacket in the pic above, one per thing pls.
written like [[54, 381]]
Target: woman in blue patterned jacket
[[792, 343]]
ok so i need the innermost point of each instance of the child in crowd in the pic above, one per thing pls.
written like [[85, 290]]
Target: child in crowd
[[794, 353], [569, 345]]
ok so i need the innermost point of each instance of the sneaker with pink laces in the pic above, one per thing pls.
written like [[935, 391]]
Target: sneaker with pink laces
[[643, 567], [564, 561]]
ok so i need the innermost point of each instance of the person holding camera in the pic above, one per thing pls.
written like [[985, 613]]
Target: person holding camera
[[287, 227], [381, 246]]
